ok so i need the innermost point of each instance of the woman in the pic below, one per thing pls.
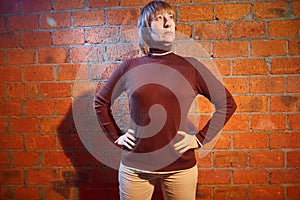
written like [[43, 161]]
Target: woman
[[161, 87]]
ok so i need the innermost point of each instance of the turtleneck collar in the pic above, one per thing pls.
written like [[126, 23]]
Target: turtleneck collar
[[159, 52]]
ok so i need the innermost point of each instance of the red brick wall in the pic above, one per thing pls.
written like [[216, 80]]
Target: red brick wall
[[255, 44]]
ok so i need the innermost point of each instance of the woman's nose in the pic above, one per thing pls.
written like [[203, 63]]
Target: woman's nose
[[167, 23]]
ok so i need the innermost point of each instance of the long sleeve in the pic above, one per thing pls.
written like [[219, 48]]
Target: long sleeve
[[104, 98], [210, 87]]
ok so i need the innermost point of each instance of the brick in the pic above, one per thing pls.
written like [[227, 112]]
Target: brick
[[223, 141], [263, 85], [242, 125], [285, 103], [63, 107], [268, 47], [294, 121], [230, 49], [10, 74], [22, 22], [285, 176], [88, 54], [3, 125], [250, 67], [55, 20], [73, 72], [37, 107], [183, 31], [296, 8], [252, 103], [214, 31], [250, 30], [230, 159], [8, 6], [122, 52], [232, 11], [293, 192], [57, 159], [21, 56], [250, 176], [68, 5], [41, 176], [224, 67], [35, 5], [25, 125], [268, 122], [11, 176], [236, 85], [294, 46], [71, 141], [193, 49], [130, 33], [36, 39], [55, 90], [89, 18], [6, 192], [54, 55], [105, 177], [25, 158], [285, 66], [135, 3], [3, 88], [23, 91], [203, 193], [284, 140], [196, 13], [40, 141], [103, 35], [68, 37], [214, 177], [38, 73], [266, 192], [293, 159], [103, 3], [50, 125], [10, 108], [268, 10], [123, 16], [9, 40], [2, 24], [203, 105], [2, 58], [203, 161], [268, 159], [11, 142], [27, 193], [292, 85], [250, 140], [4, 160], [85, 159], [284, 28], [231, 192]]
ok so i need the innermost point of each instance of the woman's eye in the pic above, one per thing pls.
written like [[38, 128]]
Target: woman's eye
[[158, 18], [171, 16]]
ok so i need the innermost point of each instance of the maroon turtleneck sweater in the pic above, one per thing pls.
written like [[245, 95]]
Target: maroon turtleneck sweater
[[160, 90]]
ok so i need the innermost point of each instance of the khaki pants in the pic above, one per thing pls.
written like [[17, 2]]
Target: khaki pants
[[136, 185]]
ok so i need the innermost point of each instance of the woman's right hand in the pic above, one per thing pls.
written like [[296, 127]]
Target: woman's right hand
[[127, 140]]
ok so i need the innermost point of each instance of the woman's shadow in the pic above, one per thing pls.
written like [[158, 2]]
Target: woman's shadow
[[88, 178]]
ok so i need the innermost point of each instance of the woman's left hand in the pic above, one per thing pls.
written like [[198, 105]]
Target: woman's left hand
[[188, 142]]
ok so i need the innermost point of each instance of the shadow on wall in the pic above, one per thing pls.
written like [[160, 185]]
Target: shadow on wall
[[88, 178]]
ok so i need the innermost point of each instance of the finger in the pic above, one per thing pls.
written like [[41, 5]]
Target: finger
[[130, 131], [127, 145], [127, 140], [130, 137], [184, 149], [181, 146]]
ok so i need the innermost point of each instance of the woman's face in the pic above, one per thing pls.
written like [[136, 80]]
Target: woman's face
[[163, 29]]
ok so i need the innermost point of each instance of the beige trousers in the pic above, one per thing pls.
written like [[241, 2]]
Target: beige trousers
[[135, 185]]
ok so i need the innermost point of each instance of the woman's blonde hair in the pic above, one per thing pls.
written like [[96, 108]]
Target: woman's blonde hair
[[147, 14]]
